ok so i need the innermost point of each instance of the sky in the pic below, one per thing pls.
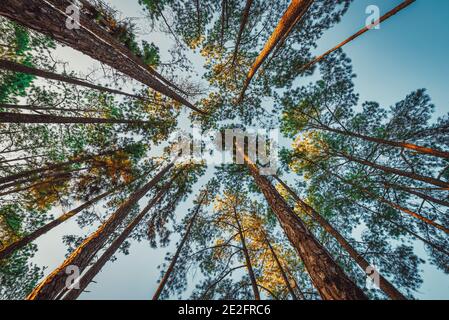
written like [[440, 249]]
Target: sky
[[407, 53]]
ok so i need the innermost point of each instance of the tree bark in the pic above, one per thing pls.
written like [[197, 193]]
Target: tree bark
[[281, 268], [178, 250], [9, 117], [297, 8], [383, 200], [17, 67], [90, 274], [243, 22], [54, 283], [53, 166], [384, 284], [358, 34], [248, 263], [411, 175], [327, 276], [34, 108], [19, 244], [405, 145], [49, 20]]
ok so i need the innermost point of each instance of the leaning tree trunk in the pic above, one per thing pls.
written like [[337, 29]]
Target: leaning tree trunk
[[280, 267], [54, 283], [90, 274], [17, 67], [248, 263], [38, 108], [358, 34], [243, 22], [9, 117], [29, 173], [327, 276], [171, 267], [19, 244], [411, 175], [43, 17], [117, 45], [383, 200], [384, 284], [405, 145], [297, 8]]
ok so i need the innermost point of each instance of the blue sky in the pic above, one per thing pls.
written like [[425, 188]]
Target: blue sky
[[407, 53]]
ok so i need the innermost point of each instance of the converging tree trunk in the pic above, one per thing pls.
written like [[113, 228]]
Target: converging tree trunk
[[384, 284], [9, 117], [90, 274], [326, 275], [243, 22], [280, 267], [297, 8], [55, 282], [358, 34], [21, 68], [248, 263], [19, 244], [171, 267], [43, 17]]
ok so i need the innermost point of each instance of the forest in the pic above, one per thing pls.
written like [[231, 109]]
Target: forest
[[223, 150]]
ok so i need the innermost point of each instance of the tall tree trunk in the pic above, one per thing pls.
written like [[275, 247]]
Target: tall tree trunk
[[405, 145], [327, 276], [21, 68], [384, 284], [280, 267], [178, 250], [248, 263], [297, 8], [9, 117], [418, 194], [243, 22], [55, 282], [358, 34], [19, 244], [117, 45], [37, 108], [54, 178], [383, 200], [90, 274], [43, 17], [411, 175], [54, 166]]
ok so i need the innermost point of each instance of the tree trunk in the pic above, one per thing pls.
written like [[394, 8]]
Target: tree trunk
[[54, 166], [19, 244], [55, 282], [411, 175], [116, 44], [405, 145], [90, 274], [327, 276], [35, 108], [17, 67], [383, 200], [42, 17], [358, 34], [281, 268], [243, 22], [384, 284], [248, 263], [418, 194], [297, 8], [178, 251], [9, 117]]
